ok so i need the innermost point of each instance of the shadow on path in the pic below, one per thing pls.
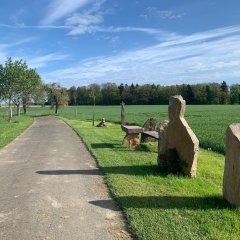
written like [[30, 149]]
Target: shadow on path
[[137, 170], [70, 172], [167, 202]]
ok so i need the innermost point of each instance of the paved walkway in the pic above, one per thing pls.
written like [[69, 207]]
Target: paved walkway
[[48, 185]]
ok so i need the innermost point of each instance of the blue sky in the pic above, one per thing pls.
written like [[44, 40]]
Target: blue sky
[[79, 42]]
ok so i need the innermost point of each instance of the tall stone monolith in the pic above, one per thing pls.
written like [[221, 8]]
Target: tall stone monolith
[[178, 145], [231, 179]]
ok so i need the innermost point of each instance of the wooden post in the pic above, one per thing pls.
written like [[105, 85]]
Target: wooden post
[[75, 100], [123, 114], [93, 123]]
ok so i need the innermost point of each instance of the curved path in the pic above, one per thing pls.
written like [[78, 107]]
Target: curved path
[[48, 185]]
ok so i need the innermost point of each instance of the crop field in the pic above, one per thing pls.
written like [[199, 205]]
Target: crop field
[[209, 122]]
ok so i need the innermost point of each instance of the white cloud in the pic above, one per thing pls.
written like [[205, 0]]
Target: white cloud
[[61, 8], [44, 60], [201, 57], [152, 12]]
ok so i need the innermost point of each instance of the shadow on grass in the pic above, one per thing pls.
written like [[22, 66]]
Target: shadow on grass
[[167, 202], [138, 170], [104, 145], [119, 147], [40, 115]]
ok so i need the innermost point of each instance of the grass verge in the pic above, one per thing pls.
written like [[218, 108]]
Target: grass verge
[[9, 131], [157, 205]]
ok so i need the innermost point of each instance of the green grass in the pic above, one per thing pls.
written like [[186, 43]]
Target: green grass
[[157, 205], [209, 122], [9, 131]]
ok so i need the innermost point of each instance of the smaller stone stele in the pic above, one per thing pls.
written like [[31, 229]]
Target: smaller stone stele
[[178, 146], [102, 123], [149, 125], [231, 179]]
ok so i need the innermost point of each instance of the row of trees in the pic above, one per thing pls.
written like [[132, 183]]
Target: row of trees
[[18, 84], [21, 85], [110, 94]]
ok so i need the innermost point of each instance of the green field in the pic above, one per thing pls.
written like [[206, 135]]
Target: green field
[[209, 122]]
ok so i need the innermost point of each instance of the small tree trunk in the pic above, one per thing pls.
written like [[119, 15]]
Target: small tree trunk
[[18, 109], [24, 107], [56, 109], [9, 112]]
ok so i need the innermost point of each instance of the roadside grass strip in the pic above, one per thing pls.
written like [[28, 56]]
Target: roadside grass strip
[[9, 131], [159, 205]]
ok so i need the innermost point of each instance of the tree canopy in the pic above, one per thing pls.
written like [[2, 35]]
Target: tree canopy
[[17, 83]]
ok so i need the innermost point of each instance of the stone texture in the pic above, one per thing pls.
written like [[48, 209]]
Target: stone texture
[[231, 180], [149, 126], [178, 145], [131, 140], [132, 129], [123, 121]]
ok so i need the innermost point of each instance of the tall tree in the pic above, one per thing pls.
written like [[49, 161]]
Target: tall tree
[[235, 94], [72, 92], [57, 96], [225, 93], [31, 87], [12, 75]]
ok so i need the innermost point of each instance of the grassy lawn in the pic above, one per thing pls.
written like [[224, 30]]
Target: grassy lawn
[[9, 131], [209, 122], [156, 205]]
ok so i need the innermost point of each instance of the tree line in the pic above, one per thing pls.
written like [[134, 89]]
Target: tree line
[[112, 94], [22, 86]]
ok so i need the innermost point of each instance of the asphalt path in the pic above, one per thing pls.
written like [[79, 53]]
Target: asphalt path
[[50, 188]]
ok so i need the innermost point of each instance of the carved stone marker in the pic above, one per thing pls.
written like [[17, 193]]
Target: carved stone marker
[[102, 123], [178, 145], [149, 126], [231, 179], [123, 122]]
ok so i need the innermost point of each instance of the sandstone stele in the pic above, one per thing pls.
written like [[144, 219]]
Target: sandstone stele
[[231, 179], [178, 145]]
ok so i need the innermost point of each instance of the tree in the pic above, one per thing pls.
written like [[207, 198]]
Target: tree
[[213, 93], [57, 96], [39, 95], [17, 83], [31, 87], [12, 75], [110, 94], [72, 95], [235, 94], [224, 94]]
